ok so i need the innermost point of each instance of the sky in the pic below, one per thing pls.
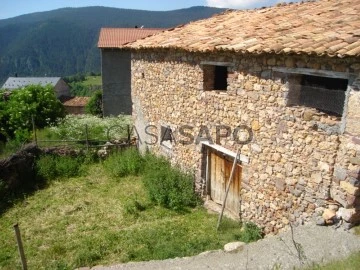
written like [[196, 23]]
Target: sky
[[12, 8]]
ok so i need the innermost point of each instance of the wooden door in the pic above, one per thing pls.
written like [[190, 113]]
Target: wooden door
[[220, 170]]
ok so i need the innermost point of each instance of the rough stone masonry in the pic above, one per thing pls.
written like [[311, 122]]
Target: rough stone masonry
[[304, 163]]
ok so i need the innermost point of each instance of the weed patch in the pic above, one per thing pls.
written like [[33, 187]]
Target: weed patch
[[52, 166], [168, 186], [124, 163]]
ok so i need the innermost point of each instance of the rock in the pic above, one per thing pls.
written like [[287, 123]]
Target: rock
[[349, 188], [320, 221], [276, 157], [328, 214], [316, 177], [346, 214], [280, 184], [234, 247], [355, 160], [256, 148], [308, 115], [340, 173], [333, 207]]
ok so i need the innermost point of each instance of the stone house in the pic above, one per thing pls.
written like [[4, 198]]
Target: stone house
[[60, 86], [116, 67], [281, 85], [75, 105]]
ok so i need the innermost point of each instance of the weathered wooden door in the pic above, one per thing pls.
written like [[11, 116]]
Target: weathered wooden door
[[220, 170]]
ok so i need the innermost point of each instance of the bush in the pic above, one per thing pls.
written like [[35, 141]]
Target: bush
[[52, 166], [168, 186], [18, 108], [250, 233], [124, 163], [94, 106]]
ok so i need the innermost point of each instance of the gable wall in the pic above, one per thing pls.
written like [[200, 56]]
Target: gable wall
[[293, 156], [116, 81]]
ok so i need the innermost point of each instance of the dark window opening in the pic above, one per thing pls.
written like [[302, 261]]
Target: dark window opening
[[323, 93], [220, 78], [215, 77]]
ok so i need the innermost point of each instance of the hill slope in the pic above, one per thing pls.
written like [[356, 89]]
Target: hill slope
[[63, 41]]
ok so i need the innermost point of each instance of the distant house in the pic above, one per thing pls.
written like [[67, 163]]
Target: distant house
[[60, 86], [75, 105], [280, 84], [116, 67]]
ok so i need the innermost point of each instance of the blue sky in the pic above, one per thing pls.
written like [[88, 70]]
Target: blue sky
[[12, 8]]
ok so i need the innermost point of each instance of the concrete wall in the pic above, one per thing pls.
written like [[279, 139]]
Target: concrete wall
[[300, 160], [116, 81]]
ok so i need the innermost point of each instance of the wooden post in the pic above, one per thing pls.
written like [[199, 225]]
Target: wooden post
[[34, 130], [87, 138], [129, 135], [228, 188], [20, 246]]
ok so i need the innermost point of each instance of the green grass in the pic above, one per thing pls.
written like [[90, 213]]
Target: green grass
[[93, 80], [97, 219]]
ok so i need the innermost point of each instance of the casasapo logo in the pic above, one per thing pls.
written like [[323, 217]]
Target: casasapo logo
[[187, 134]]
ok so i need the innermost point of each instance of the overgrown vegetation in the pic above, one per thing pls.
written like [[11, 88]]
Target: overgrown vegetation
[[21, 106], [73, 127], [129, 162], [105, 217], [94, 106], [168, 186], [54, 166]]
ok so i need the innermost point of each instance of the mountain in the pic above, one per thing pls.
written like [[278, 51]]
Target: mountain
[[64, 41]]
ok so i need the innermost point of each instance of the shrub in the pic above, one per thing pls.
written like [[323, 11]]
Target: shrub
[[168, 186], [94, 106], [52, 166], [250, 233], [124, 163], [31, 101]]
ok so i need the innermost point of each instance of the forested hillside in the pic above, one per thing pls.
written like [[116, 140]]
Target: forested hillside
[[64, 41]]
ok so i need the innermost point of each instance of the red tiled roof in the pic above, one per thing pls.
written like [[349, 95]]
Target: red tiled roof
[[118, 37], [325, 27], [77, 102]]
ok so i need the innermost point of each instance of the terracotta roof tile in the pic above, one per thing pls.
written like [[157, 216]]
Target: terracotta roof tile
[[118, 37], [76, 102], [324, 27]]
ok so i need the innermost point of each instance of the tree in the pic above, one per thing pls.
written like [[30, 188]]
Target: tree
[[32, 101], [94, 106]]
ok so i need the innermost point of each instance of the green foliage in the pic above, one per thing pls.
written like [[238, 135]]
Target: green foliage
[[72, 127], [167, 185], [94, 106], [23, 104], [74, 78], [250, 233], [124, 163], [50, 167]]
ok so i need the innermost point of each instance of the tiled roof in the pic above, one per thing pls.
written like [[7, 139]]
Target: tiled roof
[[118, 37], [325, 27], [19, 82], [77, 102]]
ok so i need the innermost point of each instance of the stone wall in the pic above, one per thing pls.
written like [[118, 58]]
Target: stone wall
[[116, 81], [301, 162]]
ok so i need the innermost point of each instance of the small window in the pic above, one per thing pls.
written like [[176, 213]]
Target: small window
[[215, 77], [323, 93]]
